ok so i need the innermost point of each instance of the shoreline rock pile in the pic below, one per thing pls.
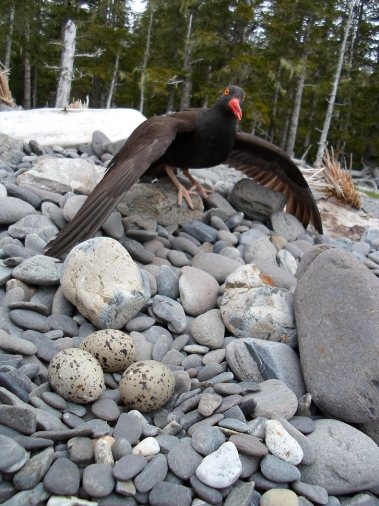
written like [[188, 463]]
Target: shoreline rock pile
[[236, 365]]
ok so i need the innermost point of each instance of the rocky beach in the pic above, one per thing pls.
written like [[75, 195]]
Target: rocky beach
[[222, 355]]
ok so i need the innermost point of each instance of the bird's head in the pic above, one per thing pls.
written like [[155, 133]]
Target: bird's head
[[233, 97]]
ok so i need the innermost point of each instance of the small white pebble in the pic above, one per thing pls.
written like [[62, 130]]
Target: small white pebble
[[282, 444], [148, 446]]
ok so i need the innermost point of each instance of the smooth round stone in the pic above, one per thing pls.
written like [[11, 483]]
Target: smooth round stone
[[128, 427], [30, 320], [279, 497], [19, 418], [346, 460], [16, 344], [13, 209], [275, 400], [218, 266], [140, 323], [304, 424], [208, 494], [228, 388], [281, 444], [241, 495], [314, 493], [34, 470], [103, 450], [80, 450], [249, 445], [106, 409], [54, 400], [183, 460], [214, 356], [147, 447], [137, 251], [178, 258], [275, 469], [12, 456], [153, 473], [221, 468], [113, 225], [198, 291], [208, 329], [98, 480], [63, 478], [210, 372], [170, 494], [209, 403], [232, 424], [64, 323], [328, 350], [170, 311], [201, 231], [39, 270], [129, 466], [120, 448], [184, 244]]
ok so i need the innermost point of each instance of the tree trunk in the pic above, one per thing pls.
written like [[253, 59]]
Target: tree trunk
[[113, 82], [145, 60], [296, 113], [8, 42], [67, 65], [186, 90], [27, 69], [332, 98]]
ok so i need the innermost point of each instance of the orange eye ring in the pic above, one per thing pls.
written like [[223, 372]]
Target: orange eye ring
[[226, 91]]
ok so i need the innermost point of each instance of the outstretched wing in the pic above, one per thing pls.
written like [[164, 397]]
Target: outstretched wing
[[268, 165], [146, 145]]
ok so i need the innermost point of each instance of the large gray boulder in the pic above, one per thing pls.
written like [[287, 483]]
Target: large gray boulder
[[346, 460], [336, 310]]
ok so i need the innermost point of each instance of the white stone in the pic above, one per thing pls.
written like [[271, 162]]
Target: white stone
[[287, 261], [282, 444], [63, 174], [148, 446], [221, 468], [103, 282]]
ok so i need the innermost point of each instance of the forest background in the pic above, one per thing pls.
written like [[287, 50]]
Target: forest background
[[298, 61]]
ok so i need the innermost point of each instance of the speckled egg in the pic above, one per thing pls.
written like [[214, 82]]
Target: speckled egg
[[147, 385], [76, 375], [113, 349]]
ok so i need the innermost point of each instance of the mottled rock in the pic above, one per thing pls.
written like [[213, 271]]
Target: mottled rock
[[112, 290]]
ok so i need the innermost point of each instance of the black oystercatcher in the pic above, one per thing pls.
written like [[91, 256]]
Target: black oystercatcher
[[194, 138]]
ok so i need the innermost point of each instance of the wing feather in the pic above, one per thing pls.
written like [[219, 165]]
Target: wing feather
[[146, 145], [268, 165]]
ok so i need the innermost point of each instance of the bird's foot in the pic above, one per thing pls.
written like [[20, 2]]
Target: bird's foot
[[184, 193], [204, 192]]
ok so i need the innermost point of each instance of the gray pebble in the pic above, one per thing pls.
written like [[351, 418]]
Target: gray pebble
[[170, 494], [201, 231], [37, 495], [170, 311], [98, 480], [263, 484], [63, 478], [30, 320], [128, 427], [153, 473], [209, 494], [39, 270], [183, 460], [129, 466], [207, 439], [140, 323], [210, 371], [34, 470], [12, 456], [105, 409], [120, 448], [231, 423], [241, 494], [275, 469], [249, 445], [314, 493], [80, 450]]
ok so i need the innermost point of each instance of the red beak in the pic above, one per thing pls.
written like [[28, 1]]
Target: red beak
[[234, 105]]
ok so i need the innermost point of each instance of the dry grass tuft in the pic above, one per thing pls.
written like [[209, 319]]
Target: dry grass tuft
[[340, 181], [5, 94]]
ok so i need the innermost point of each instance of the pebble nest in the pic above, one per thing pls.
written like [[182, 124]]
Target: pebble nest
[[220, 422]]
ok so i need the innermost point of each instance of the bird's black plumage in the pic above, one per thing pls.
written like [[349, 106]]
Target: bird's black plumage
[[193, 138]]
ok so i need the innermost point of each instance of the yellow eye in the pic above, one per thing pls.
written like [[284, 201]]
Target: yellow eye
[[226, 91]]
